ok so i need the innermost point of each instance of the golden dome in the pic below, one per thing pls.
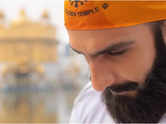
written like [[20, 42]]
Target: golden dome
[[23, 15], [22, 19], [45, 14], [2, 15]]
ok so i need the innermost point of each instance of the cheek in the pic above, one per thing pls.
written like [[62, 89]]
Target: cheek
[[142, 61], [133, 66]]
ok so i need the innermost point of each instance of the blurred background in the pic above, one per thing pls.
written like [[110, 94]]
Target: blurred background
[[40, 75]]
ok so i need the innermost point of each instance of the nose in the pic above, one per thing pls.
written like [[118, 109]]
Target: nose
[[101, 76]]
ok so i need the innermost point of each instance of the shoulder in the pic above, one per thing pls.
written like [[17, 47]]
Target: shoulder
[[86, 92], [89, 107], [82, 103]]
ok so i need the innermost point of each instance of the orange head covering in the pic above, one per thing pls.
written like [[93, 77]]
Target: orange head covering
[[91, 15]]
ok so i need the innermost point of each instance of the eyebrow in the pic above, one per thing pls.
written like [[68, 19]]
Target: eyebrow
[[113, 47]]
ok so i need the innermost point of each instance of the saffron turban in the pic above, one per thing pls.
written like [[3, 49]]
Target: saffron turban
[[92, 15]]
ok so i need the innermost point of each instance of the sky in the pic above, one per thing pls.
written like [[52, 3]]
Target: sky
[[34, 9]]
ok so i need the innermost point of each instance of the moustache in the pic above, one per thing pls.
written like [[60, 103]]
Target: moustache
[[129, 86]]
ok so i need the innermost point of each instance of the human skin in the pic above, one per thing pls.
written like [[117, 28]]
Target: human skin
[[130, 56]]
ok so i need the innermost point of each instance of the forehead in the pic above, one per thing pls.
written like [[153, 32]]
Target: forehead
[[90, 41]]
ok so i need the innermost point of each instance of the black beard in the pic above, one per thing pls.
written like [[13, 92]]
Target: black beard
[[149, 105]]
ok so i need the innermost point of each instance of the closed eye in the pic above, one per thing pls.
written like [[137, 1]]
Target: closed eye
[[117, 53]]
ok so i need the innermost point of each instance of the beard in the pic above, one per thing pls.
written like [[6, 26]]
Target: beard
[[149, 104]]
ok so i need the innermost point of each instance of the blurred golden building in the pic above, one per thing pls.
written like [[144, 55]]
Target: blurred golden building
[[24, 39], [24, 45]]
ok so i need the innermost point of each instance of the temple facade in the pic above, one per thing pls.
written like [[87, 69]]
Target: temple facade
[[24, 39]]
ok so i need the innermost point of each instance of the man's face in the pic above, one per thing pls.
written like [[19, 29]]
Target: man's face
[[117, 56]]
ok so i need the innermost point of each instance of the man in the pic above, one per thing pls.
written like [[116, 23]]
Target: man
[[124, 46]]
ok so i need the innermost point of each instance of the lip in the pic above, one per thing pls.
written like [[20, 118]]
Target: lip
[[126, 87], [124, 93]]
